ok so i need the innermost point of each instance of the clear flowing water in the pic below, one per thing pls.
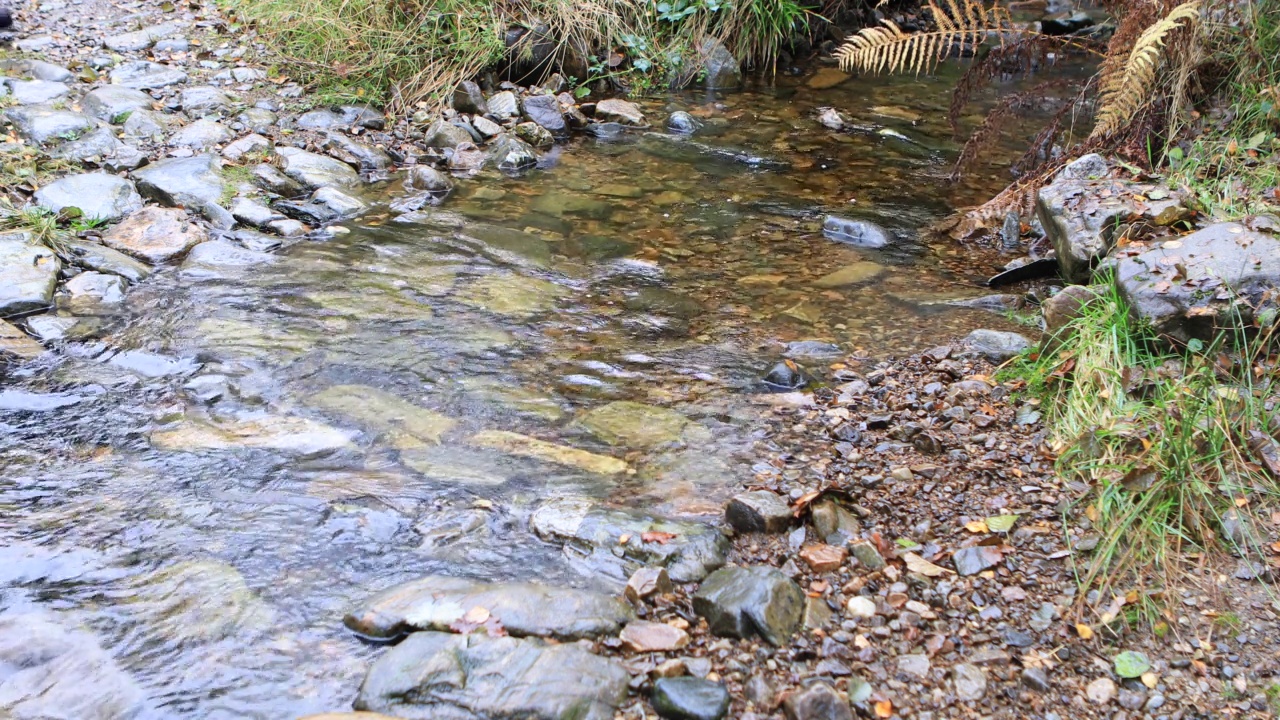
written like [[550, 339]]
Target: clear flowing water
[[244, 453]]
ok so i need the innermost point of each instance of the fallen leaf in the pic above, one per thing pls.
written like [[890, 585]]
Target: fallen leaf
[[884, 709], [624, 538], [1150, 679], [476, 615], [1084, 631], [662, 538], [1001, 523], [976, 526], [917, 564]]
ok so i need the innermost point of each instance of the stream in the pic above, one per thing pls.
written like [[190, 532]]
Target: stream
[[213, 475]]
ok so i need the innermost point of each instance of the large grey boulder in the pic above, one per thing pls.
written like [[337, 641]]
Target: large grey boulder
[[523, 609], [443, 134], [195, 181], [34, 92], [1219, 279], [370, 158], [41, 124], [691, 551], [469, 98], [440, 676], [201, 134], [512, 155], [144, 75], [996, 345], [722, 71], [52, 673], [745, 601], [28, 274], [104, 260], [101, 147], [545, 111], [99, 196], [203, 99], [316, 171], [112, 103]]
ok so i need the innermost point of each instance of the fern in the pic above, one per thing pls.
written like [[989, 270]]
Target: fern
[[1124, 90], [888, 49]]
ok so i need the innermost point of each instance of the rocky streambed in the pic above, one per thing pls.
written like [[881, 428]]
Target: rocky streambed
[[506, 411]]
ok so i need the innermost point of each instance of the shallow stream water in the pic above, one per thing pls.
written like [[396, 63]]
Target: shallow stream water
[[244, 453]]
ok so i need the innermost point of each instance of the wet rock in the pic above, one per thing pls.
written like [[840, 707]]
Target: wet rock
[[487, 128], [38, 69], [51, 328], [545, 111], [503, 105], [273, 181], [525, 446], [195, 182], [786, 376], [41, 124], [146, 125], [433, 676], [28, 274], [522, 609], [758, 511], [823, 558], [512, 155], [89, 292], [535, 135], [103, 259], [211, 259], [253, 213], [831, 118], [663, 301], [513, 296], [858, 233], [370, 159], [1216, 280], [995, 345], [868, 556], [825, 78], [144, 75], [340, 204], [363, 116], [852, 274], [745, 601], [15, 345], [200, 601], [646, 583], [155, 235], [641, 636], [833, 522], [405, 425], [97, 195], [100, 147], [34, 92], [721, 68], [203, 100], [427, 179], [258, 120], [323, 119], [973, 560], [691, 551], [634, 424], [23, 401], [818, 701], [468, 98], [55, 673], [689, 698], [443, 134], [201, 135], [683, 123], [620, 111], [141, 39], [291, 435], [316, 171], [970, 682]]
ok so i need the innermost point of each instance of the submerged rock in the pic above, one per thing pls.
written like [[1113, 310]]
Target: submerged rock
[[512, 295], [50, 672], [634, 424], [439, 676], [522, 609], [858, 233], [525, 446], [404, 424], [199, 601], [745, 601], [281, 433], [688, 550]]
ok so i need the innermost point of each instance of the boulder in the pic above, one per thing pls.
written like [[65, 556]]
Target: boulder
[[41, 124], [155, 235], [195, 182], [323, 119], [258, 120], [512, 155], [28, 274], [995, 345], [104, 259], [688, 550], [101, 147], [634, 424], [249, 144], [522, 609], [49, 671], [145, 75], [745, 601], [427, 179], [620, 111], [98, 196], [91, 293], [201, 135], [440, 676], [758, 511], [721, 68], [213, 259], [15, 345], [316, 171], [1221, 279], [146, 124], [353, 152], [683, 123], [504, 105], [689, 698], [534, 134], [468, 98], [858, 233], [443, 134], [203, 100], [545, 111], [34, 92], [267, 177]]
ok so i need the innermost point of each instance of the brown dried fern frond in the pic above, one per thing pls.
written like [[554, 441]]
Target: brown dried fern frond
[[888, 49], [1126, 89], [1019, 56], [1010, 106]]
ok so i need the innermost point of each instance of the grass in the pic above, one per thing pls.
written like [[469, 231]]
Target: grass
[[1230, 164], [1273, 697], [1160, 443], [44, 226], [29, 167], [412, 53]]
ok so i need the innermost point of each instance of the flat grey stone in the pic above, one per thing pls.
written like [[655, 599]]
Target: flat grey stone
[[215, 257], [317, 171], [98, 196], [34, 92], [112, 103], [144, 75], [201, 135], [141, 39], [203, 99], [41, 124], [101, 147], [194, 181], [319, 120], [268, 178], [254, 143], [745, 601], [252, 213], [155, 235], [28, 274], [105, 260], [92, 292], [145, 124]]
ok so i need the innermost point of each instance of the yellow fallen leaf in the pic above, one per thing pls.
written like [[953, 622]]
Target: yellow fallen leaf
[[976, 526], [1150, 679], [477, 615], [624, 538], [917, 564], [884, 709], [1091, 512], [1084, 631]]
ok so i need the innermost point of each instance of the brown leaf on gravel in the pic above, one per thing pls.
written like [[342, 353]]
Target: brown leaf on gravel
[[884, 709], [1084, 631], [662, 538], [917, 564]]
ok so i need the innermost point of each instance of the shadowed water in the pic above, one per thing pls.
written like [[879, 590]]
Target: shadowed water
[[247, 451]]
